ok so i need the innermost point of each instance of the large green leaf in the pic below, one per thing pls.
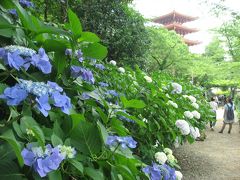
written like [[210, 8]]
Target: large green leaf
[[103, 131], [78, 165], [133, 103], [55, 175], [75, 24], [86, 138], [9, 170], [89, 37], [38, 133], [9, 137], [56, 140], [95, 50], [94, 174]]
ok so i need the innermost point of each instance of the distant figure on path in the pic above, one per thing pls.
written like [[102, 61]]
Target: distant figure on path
[[214, 107], [228, 115]]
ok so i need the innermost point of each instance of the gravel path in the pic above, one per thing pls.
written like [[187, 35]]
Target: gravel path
[[216, 158]]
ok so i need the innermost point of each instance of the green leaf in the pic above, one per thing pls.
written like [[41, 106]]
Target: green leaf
[[39, 135], [78, 165], [9, 137], [55, 175], [75, 24], [76, 119], [102, 115], [139, 122], [86, 138], [2, 87], [94, 174], [17, 129], [10, 170], [103, 131], [117, 126], [133, 103], [95, 50], [89, 37], [56, 140], [2, 67]]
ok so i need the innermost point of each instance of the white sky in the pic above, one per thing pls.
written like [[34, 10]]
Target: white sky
[[206, 21]]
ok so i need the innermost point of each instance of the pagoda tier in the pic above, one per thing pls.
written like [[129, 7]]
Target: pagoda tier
[[180, 29], [191, 42], [174, 17]]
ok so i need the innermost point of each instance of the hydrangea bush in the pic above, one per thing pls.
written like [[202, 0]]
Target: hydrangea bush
[[68, 114]]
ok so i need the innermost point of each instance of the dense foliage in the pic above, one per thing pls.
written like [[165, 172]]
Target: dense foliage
[[65, 114]]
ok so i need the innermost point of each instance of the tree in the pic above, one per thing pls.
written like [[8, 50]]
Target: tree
[[215, 50]]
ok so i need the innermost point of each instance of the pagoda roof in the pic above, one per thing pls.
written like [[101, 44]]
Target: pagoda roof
[[180, 29], [174, 17], [191, 42]]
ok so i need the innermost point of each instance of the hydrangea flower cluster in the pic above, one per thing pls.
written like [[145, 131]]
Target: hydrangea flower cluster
[[26, 3], [196, 114], [114, 63], [121, 70], [188, 114], [124, 142], [103, 84], [45, 161], [158, 172], [161, 157], [13, 12], [78, 54], [195, 105], [177, 88], [20, 57], [16, 94], [112, 92], [100, 66], [148, 79], [173, 104], [85, 74], [194, 132], [183, 126]]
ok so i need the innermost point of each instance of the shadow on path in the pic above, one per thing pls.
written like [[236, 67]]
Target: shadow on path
[[216, 158]]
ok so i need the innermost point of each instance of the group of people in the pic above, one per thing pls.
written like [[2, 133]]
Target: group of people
[[228, 115]]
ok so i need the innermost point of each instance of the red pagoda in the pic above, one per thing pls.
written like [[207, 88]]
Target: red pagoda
[[174, 21]]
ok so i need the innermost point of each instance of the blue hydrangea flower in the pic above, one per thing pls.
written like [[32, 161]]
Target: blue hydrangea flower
[[43, 104], [103, 84], [55, 86], [37, 88], [26, 3], [14, 60], [14, 95], [85, 96], [100, 66], [23, 51], [124, 142], [62, 101], [41, 61], [42, 161], [112, 92], [68, 52], [13, 12], [123, 118], [80, 55], [85, 74]]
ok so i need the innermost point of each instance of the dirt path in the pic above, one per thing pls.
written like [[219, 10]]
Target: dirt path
[[216, 158]]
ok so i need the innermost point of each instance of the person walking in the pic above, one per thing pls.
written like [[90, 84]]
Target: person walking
[[214, 107], [228, 115]]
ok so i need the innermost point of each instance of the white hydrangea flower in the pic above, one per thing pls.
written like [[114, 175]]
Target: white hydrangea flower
[[67, 151], [179, 175], [156, 144], [113, 62], [188, 114], [195, 105], [167, 95], [196, 114], [145, 120], [183, 126], [161, 157], [194, 132], [192, 98], [148, 79], [170, 158], [173, 104], [167, 150], [185, 96], [121, 70], [177, 88]]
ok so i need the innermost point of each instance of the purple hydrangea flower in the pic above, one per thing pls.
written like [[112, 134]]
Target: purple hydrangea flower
[[43, 105], [62, 101], [80, 55], [14, 95], [112, 92], [100, 66], [55, 86], [68, 52], [42, 161], [13, 12], [85, 74], [103, 84], [41, 61], [26, 3], [124, 142]]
